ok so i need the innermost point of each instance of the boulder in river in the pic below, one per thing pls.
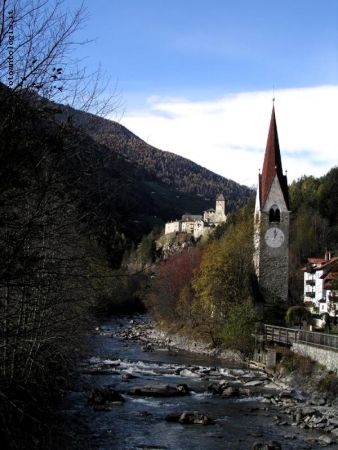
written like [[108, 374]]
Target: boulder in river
[[270, 445], [190, 374], [190, 418], [194, 417], [104, 395], [254, 383], [128, 376], [230, 392], [160, 390], [317, 400], [247, 392]]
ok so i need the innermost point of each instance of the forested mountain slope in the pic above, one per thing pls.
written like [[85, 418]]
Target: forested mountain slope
[[162, 167]]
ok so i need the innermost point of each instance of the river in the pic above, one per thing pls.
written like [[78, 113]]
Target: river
[[139, 423]]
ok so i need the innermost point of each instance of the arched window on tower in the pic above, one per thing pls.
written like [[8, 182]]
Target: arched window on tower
[[274, 214]]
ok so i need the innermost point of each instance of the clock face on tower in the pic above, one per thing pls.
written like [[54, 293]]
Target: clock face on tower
[[274, 237]]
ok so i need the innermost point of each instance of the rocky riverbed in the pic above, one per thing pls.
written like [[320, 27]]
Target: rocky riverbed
[[151, 336], [296, 409]]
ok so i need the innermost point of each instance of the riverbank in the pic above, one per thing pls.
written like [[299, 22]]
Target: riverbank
[[295, 395], [151, 335]]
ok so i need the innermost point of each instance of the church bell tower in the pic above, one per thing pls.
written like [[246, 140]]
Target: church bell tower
[[271, 222]]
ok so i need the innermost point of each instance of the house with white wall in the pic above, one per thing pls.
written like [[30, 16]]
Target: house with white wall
[[320, 288]]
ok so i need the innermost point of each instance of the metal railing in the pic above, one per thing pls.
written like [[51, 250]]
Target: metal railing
[[289, 336]]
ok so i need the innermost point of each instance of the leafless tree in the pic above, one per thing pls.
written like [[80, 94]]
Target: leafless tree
[[51, 175], [38, 53]]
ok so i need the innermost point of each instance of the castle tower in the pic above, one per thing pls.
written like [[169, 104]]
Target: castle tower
[[221, 205], [271, 229]]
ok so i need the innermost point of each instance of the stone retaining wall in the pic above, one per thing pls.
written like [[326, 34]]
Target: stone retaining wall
[[326, 357]]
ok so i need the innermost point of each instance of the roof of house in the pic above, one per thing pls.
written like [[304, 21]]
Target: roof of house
[[316, 260], [319, 263], [272, 164], [191, 217], [332, 273]]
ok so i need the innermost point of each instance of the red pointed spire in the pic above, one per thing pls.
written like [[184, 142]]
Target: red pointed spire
[[272, 164]]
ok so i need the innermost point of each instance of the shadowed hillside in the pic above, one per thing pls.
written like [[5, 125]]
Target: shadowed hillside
[[161, 167]]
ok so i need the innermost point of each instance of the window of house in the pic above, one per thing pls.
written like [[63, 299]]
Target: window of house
[[274, 214]]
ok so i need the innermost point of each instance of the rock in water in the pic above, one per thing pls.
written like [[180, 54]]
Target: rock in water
[[194, 417], [160, 390], [104, 395], [190, 374], [270, 445], [231, 392]]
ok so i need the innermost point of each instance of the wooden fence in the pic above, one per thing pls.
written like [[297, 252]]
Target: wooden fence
[[320, 339], [289, 336], [281, 335]]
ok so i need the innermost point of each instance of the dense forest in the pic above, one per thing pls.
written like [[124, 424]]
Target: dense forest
[[159, 166], [83, 202]]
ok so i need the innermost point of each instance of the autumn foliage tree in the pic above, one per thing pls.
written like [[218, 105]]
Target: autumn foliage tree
[[199, 287], [169, 299], [225, 278], [239, 327]]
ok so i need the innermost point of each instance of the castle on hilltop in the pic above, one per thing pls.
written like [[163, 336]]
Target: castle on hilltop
[[198, 225]]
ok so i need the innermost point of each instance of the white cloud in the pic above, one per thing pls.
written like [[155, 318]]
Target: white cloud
[[228, 135]]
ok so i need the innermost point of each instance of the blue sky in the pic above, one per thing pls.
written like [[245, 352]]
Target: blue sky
[[197, 78]]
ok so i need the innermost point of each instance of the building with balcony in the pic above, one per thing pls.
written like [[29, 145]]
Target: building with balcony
[[321, 284]]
